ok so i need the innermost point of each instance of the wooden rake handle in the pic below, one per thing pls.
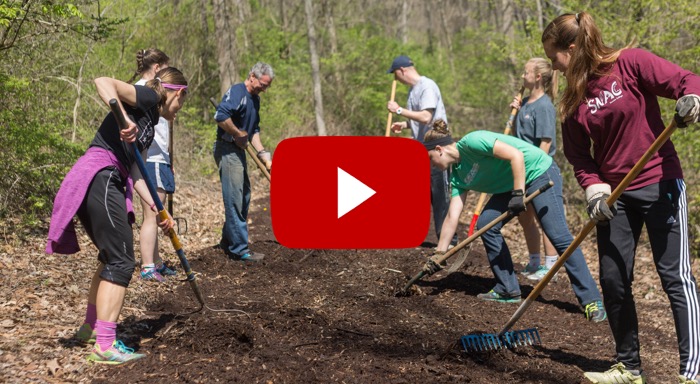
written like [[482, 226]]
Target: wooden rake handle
[[250, 151], [631, 175], [465, 242], [388, 120]]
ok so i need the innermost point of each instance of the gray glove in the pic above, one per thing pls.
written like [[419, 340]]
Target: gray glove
[[687, 110], [598, 209], [265, 156]]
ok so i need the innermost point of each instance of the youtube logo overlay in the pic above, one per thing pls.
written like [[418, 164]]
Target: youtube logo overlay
[[350, 192]]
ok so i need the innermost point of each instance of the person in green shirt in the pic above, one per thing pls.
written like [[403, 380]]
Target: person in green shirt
[[507, 168]]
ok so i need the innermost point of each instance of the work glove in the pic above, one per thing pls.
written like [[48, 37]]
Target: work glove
[[516, 203], [687, 110], [265, 156], [598, 209], [432, 265]]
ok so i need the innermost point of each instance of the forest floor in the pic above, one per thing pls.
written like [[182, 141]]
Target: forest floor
[[307, 316]]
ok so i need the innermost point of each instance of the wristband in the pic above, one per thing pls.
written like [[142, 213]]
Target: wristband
[[153, 205]]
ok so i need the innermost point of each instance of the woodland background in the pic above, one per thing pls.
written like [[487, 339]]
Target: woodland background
[[330, 60]]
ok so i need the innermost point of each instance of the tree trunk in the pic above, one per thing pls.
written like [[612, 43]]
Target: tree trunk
[[225, 45], [404, 22], [318, 97]]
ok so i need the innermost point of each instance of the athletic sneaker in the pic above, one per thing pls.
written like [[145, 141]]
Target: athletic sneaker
[[529, 269], [85, 334], [118, 353], [493, 296], [617, 374], [151, 275], [540, 273], [252, 256], [595, 311], [164, 270], [684, 380]]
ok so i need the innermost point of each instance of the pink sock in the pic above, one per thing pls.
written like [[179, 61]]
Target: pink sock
[[91, 315], [106, 334]]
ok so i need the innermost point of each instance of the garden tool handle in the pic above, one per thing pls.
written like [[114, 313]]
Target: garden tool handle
[[162, 214], [250, 151], [391, 115], [626, 181], [465, 242]]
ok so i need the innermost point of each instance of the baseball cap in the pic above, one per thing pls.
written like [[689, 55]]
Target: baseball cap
[[400, 61]]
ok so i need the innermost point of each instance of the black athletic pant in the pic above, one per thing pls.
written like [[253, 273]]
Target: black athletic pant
[[662, 208], [104, 216]]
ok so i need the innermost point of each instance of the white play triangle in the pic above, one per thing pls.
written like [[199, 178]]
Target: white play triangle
[[351, 192]]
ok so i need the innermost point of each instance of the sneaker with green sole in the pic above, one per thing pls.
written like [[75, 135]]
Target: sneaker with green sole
[[540, 273], [684, 380], [86, 334], [118, 353], [529, 269], [595, 311], [493, 296], [617, 374]]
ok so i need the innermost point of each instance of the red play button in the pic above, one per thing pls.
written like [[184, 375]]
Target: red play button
[[350, 192]]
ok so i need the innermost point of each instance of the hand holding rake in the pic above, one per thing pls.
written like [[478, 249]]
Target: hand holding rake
[[251, 153], [435, 263]]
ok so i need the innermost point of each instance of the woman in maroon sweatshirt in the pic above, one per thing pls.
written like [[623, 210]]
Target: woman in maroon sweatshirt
[[611, 116]]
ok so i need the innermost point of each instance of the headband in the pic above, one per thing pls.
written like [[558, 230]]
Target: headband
[[175, 87], [443, 141]]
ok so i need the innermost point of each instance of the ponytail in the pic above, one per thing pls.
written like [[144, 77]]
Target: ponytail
[[590, 57]]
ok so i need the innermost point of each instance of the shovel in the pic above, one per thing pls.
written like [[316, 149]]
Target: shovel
[[162, 214], [482, 197], [178, 220], [249, 149], [434, 265]]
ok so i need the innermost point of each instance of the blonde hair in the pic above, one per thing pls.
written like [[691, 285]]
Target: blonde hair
[[590, 58], [543, 67]]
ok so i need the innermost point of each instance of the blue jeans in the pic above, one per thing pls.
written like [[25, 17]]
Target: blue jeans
[[235, 187], [549, 207]]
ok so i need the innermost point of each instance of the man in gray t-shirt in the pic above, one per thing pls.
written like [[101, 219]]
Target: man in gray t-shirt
[[424, 106]]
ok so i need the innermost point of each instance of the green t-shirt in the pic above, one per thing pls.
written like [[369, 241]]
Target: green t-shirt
[[479, 170]]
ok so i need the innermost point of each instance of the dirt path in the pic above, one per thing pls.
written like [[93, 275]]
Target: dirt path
[[306, 316]]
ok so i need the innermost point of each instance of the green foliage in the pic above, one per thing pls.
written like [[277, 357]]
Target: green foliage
[[49, 110]]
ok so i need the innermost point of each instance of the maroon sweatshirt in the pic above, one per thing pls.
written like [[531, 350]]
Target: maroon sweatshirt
[[621, 118]]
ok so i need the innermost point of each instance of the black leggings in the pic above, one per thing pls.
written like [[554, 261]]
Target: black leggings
[[104, 216]]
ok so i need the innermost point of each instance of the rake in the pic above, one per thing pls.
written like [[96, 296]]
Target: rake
[[435, 264], [492, 342]]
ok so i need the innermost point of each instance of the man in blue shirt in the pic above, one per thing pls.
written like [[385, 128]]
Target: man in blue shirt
[[238, 122]]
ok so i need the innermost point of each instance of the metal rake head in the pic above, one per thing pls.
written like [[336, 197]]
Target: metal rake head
[[491, 342]]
